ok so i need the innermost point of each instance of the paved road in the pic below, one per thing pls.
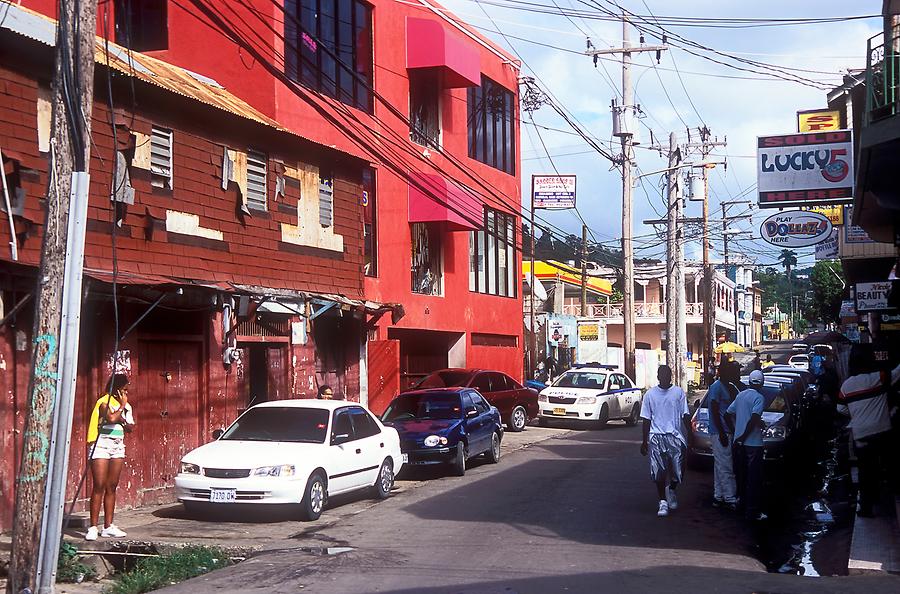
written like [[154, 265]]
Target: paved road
[[574, 513]]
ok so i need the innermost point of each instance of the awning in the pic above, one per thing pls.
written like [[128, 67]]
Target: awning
[[570, 275], [430, 46], [434, 199]]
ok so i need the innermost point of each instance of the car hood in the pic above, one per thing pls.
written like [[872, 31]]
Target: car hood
[[570, 392], [251, 454], [413, 428]]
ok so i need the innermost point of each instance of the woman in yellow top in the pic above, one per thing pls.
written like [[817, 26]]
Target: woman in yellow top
[[110, 419]]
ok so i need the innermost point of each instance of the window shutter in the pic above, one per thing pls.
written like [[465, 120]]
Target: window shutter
[[161, 157], [326, 201], [256, 180]]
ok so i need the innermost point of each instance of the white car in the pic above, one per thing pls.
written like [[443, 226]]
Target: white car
[[799, 362], [799, 347], [292, 452], [595, 393]]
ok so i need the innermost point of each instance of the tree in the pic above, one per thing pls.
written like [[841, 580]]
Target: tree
[[828, 289]]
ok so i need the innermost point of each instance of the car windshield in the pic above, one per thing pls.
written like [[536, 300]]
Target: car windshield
[[581, 379], [446, 379], [282, 423], [430, 405]]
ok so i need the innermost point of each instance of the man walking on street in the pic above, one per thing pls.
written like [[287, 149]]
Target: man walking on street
[[664, 411], [747, 410], [720, 396]]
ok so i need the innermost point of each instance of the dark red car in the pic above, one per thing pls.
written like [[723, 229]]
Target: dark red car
[[516, 403]]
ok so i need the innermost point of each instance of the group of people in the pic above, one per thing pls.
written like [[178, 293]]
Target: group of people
[[736, 428]]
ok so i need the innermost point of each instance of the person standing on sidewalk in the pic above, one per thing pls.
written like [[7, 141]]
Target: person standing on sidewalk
[[864, 397], [665, 410], [747, 410], [110, 419], [720, 396]]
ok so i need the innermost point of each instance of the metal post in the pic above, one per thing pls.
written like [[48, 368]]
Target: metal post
[[627, 248], [532, 358]]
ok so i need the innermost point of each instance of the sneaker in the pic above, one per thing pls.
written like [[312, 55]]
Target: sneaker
[[112, 531], [663, 508], [671, 498], [91, 533]]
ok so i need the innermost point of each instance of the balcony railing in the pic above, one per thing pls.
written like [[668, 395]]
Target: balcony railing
[[882, 78], [641, 310]]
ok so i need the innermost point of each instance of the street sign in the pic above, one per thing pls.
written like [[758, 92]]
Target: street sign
[[795, 228], [873, 296], [805, 169], [553, 191]]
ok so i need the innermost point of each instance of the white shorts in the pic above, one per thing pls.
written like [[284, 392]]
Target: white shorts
[[108, 448]]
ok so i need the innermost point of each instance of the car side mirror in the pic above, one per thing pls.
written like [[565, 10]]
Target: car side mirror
[[340, 438], [218, 433], [471, 412]]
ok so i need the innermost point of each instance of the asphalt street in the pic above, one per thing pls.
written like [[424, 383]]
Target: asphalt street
[[575, 513]]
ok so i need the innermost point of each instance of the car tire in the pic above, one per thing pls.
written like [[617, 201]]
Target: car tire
[[459, 465], [518, 418], [604, 416], [493, 454], [314, 497], [385, 481], [632, 419]]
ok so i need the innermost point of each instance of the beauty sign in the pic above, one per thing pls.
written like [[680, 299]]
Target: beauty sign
[[795, 228]]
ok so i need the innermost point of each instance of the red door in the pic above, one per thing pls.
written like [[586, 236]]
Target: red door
[[384, 373], [276, 366], [166, 409]]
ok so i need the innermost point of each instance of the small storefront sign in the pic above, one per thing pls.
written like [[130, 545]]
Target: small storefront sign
[[873, 296], [553, 191]]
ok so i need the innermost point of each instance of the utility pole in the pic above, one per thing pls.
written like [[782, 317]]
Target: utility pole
[[681, 298], [626, 133], [671, 289], [726, 233], [54, 354], [584, 232]]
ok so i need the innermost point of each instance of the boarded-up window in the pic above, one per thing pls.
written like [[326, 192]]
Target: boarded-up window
[[326, 201], [161, 158], [256, 180]]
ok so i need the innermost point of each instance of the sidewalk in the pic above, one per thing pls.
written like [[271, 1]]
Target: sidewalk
[[875, 545]]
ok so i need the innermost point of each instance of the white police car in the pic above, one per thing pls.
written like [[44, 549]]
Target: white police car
[[590, 392]]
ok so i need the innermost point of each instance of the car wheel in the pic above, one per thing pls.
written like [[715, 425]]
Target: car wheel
[[314, 497], [632, 419], [459, 465], [604, 416], [493, 454], [385, 481], [518, 418]]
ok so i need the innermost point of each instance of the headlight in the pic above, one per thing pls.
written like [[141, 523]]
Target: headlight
[[586, 400], [543, 398], [433, 440], [701, 426], [188, 468], [775, 432], [280, 470]]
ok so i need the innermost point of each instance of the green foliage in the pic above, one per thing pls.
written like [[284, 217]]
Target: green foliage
[[69, 569], [152, 573], [828, 290]]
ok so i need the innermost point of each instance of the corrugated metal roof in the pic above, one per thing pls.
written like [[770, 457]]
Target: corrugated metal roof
[[172, 78]]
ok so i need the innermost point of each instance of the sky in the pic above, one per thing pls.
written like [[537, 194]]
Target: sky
[[684, 91]]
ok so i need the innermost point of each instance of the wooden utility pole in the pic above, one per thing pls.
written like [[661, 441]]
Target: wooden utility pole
[[627, 136], [73, 86], [671, 293], [584, 231]]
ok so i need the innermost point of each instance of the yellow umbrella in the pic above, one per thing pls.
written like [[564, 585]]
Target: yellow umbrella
[[729, 347]]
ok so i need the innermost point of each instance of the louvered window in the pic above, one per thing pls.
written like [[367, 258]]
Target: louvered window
[[161, 158], [256, 180], [326, 201]]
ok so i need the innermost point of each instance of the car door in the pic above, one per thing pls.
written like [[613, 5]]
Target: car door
[[613, 385], [343, 460], [629, 395], [370, 446], [502, 394], [475, 421]]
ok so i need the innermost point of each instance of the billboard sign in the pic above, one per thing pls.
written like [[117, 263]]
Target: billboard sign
[[873, 296], [805, 169], [553, 191], [834, 212], [818, 120], [795, 228], [828, 249], [854, 233]]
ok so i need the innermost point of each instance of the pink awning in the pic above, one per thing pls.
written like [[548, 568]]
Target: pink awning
[[434, 199], [429, 45]]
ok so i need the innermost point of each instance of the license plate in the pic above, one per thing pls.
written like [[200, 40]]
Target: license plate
[[406, 458], [559, 411], [222, 495]]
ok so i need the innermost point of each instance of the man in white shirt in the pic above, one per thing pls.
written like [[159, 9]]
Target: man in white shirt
[[665, 411]]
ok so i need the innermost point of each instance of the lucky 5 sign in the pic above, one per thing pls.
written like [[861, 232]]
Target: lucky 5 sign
[[805, 169], [795, 228]]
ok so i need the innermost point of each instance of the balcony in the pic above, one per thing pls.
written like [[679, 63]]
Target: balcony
[[644, 313]]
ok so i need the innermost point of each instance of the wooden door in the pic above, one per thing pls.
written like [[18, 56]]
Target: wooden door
[[384, 373], [277, 368]]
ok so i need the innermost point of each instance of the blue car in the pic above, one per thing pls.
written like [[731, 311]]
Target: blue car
[[445, 426]]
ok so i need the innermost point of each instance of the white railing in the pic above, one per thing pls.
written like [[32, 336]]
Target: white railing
[[641, 310]]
